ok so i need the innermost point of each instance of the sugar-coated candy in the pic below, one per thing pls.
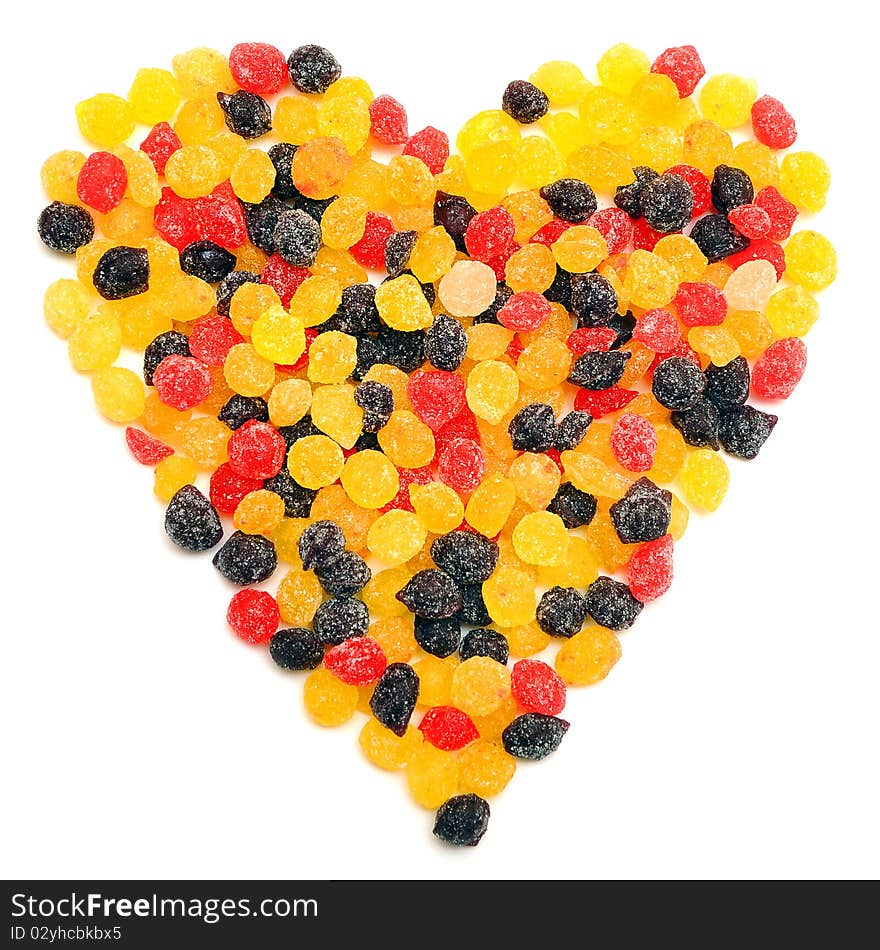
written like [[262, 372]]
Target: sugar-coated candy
[[191, 521], [296, 648], [462, 820], [394, 697], [458, 362], [534, 735]]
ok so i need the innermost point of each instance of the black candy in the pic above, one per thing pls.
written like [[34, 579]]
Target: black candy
[[432, 594], [297, 500], [246, 559], [699, 424], [446, 343], [462, 820], [561, 612], [170, 343], [296, 648], [191, 521], [533, 735], [743, 430], [484, 642], [576, 508], [728, 385], [238, 410], [533, 428], [677, 383], [524, 102], [64, 227], [611, 604], [439, 637], [344, 574], [246, 113], [394, 697], [731, 187], [297, 237], [643, 514], [207, 261], [717, 238], [313, 69], [466, 557], [666, 203], [570, 199], [319, 543], [122, 272], [340, 619], [600, 370]]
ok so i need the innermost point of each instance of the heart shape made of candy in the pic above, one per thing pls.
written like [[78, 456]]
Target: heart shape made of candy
[[454, 393]]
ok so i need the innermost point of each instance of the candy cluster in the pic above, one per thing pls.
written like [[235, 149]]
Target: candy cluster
[[455, 393]]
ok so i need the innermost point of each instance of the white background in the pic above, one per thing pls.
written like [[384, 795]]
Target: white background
[[737, 737]]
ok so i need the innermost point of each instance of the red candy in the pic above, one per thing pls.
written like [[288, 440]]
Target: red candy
[[658, 330], [160, 145], [461, 464], [782, 212], [102, 181], [257, 450], [490, 234], [258, 67], [388, 121], [779, 369], [302, 362], [448, 728], [146, 449], [227, 488], [515, 348], [537, 688], [634, 442], [615, 225], [761, 249], [464, 426], [650, 569], [591, 340], [211, 339], [431, 146], [599, 402], [644, 237], [358, 661], [700, 186], [253, 615], [436, 396], [772, 123], [682, 64], [218, 217], [405, 478], [526, 310], [700, 305], [550, 232], [369, 251], [751, 220], [283, 278], [182, 382]]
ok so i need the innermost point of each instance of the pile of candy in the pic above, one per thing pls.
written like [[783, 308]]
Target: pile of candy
[[464, 367]]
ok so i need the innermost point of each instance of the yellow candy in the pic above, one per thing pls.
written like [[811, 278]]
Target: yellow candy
[[328, 700], [253, 176], [380, 592], [804, 178], [541, 538], [432, 776], [650, 280], [315, 461], [526, 640], [153, 96], [299, 595], [492, 388], [119, 393], [406, 440], [727, 99], [259, 512], [402, 305], [792, 311], [335, 412], [396, 536], [562, 82], [247, 372], [171, 474], [105, 119], [621, 67], [435, 680], [346, 117], [704, 478], [66, 305], [588, 656], [530, 268], [289, 401], [432, 255], [810, 260], [510, 597], [438, 506], [193, 171], [59, 175], [579, 249], [490, 504], [332, 357], [387, 750], [369, 479], [202, 72], [479, 685], [484, 769]]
